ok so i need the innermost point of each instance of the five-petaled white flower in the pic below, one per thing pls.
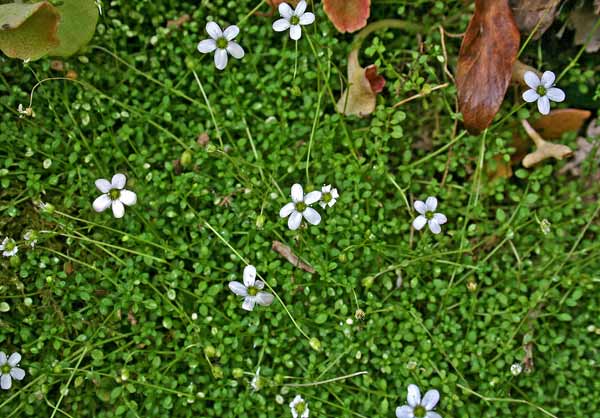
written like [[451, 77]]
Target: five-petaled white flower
[[299, 407], [292, 19], [418, 407], [428, 215], [9, 369], [542, 90], [251, 290], [328, 196], [114, 195], [9, 247], [300, 207], [222, 43]]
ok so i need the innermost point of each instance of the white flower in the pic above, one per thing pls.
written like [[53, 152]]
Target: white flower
[[9, 247], [418, 407], [31, 237], [250, 290], [300, 207], [114, 195], [292, 19], [299, 407], [222, 43], [516, 369], [427, 215], [9, 370], [328, 196], [542, 90]]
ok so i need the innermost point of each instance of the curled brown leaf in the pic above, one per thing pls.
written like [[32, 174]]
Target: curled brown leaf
[[360, 97]]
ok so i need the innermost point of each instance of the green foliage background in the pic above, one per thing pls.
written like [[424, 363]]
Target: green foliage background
[[101, 310]]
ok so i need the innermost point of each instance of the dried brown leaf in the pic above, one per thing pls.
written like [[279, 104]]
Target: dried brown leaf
[[583, 19], [528, 13], [348, 15], [485, 63], [544, 149], [557, 122], [177, 23], [360, 97], [287, 253], [585, 147]]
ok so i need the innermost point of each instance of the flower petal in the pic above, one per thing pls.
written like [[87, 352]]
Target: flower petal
[[414, 395], [530, 95], [307, 18], [128, 197], [294, 220], [287, 210], [264, 298], [404, 412], [326, 189], [249, 302], [335, 194], [118, 181], [238, 288], [259, 284], [5, 381], [555, 94], [17, 373], [432, 414], [419, 222], [102, 203], [118, 209], [214, 30], [420, 207], [431, 203], [249, 275], [434, 226], [14, 359], [312, 197], [231, 32], [103, 185], [440, 218], [3, 358], [543, 104], [297, 192], [295, 32], [235, 50], [300, 8], [221, 59], [285, 11], [207, 45], [280, 25], [430, 399], [532, 80], [312, 216], [548, 79]]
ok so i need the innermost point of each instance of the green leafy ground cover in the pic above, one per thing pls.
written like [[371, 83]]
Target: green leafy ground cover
[[133, 317]]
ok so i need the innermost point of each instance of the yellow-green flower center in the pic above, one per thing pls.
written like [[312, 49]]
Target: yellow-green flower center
[[295, 20], [429, 215], [222, 43], [326, 197], [300, 206], [252, 291], [419, 411], [6, 369], [114, 194], [10, 245], [300, 407], [541, 90]]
